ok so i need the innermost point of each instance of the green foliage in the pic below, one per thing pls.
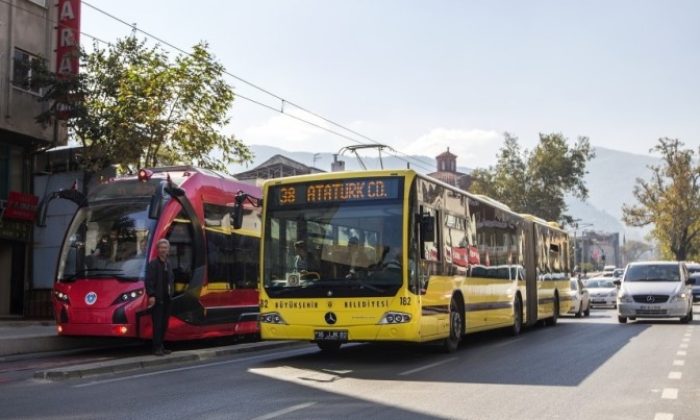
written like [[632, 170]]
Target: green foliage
[[537, 181], [131, 105], [670, 201], [633, 250]]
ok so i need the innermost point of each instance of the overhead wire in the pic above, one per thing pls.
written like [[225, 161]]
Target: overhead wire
[[416, 162], [282, 100]]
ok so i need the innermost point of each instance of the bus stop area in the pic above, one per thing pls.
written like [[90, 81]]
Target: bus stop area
[[18, 337]]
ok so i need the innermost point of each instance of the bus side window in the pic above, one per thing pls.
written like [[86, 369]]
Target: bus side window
[[180, 236]]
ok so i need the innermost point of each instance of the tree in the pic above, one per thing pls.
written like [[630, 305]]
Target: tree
[[537, 181], [132, 106], [670, 201], [633, 250]]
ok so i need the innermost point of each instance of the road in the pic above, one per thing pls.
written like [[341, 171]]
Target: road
[[590, 368]]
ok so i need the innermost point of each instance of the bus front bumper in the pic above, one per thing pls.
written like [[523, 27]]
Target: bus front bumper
[[357, 333]]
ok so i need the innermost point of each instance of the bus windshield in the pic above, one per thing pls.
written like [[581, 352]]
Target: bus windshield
[[348, 249], [107, 240]]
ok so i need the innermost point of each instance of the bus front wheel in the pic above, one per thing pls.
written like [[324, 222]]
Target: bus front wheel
[[456, 326]]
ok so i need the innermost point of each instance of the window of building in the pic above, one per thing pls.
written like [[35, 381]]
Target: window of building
[[41, 3], [23, 69]]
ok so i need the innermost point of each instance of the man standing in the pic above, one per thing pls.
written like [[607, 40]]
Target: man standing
[[159, 288]]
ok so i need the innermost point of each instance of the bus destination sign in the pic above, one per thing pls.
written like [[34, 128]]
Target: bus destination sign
[[337, 191]]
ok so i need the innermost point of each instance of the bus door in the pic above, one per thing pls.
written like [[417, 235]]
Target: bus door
[[531, 283]]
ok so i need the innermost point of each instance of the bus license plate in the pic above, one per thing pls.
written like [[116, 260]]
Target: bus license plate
[[324, 335]]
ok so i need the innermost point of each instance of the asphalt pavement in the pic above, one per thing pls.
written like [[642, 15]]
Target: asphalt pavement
[[591, 368]]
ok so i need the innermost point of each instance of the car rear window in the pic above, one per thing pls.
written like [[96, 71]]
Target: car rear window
[[652, 272]]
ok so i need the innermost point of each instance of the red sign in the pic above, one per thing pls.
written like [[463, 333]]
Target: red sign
[[68, 50], [21, 206]]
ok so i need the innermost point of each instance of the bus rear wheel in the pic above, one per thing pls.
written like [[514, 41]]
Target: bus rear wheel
[[456, 326], [328, 346], [517, 317], [555, 314]]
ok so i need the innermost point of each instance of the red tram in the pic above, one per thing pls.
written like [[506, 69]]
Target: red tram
[[99, 287]]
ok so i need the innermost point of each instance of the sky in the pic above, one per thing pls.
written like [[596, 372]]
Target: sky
[[424, 75]]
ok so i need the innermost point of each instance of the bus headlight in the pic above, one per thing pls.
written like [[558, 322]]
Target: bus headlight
[[271, 318], [61, 296], [395, 318], [128, 296]]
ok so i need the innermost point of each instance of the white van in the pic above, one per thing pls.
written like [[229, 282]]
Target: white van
[[655, 290]]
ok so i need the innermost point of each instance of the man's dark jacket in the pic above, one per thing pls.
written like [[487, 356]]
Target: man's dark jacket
[[155, 287]]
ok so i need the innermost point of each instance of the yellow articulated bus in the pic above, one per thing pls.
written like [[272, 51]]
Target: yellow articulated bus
[[398, 256]]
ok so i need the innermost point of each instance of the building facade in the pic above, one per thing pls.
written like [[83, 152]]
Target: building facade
[[447, 171], [595, 250], [277, 166], [27, 35]]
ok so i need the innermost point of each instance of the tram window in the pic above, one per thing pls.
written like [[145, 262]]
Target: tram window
[[219, 258], [245, 261], [217, 216], [180, 235]]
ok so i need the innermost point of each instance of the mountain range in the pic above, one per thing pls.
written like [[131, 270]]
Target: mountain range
[[610, 180]]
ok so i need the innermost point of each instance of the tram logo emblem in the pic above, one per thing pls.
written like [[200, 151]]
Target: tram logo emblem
[[91, 298], [330, 318]]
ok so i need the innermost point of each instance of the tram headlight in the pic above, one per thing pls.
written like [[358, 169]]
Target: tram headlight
[[62, 297], [128, 296], [395, 318], [271, 318]]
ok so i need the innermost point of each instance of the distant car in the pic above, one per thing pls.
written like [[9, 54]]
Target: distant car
[[603, 291], [609, 268], [655, 290], [580, 300], [694, 274]]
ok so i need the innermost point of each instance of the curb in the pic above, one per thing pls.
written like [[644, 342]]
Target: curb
[[13, 346], [143, 362]]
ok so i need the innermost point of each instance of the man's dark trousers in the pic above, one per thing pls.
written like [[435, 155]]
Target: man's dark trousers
[[160, 312]]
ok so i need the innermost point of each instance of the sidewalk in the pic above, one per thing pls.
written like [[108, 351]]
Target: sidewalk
[[143, 362], [22, 337]]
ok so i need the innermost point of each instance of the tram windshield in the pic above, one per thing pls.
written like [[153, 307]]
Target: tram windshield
[[107, 240]]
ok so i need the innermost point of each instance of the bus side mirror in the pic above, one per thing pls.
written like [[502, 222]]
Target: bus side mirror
[[427, 228], [237, 215]]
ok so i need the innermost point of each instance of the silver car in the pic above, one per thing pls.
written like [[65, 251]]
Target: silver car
[[603, 292], [655, 290]]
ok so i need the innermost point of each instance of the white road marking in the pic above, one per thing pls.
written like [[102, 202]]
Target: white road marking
[[687, 335], [684, 345], [663, 416], [432, 365], [284, 411], [681, 353], [675, 375], [685, 340], [669, 394], [160, 372], [679, 363]]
